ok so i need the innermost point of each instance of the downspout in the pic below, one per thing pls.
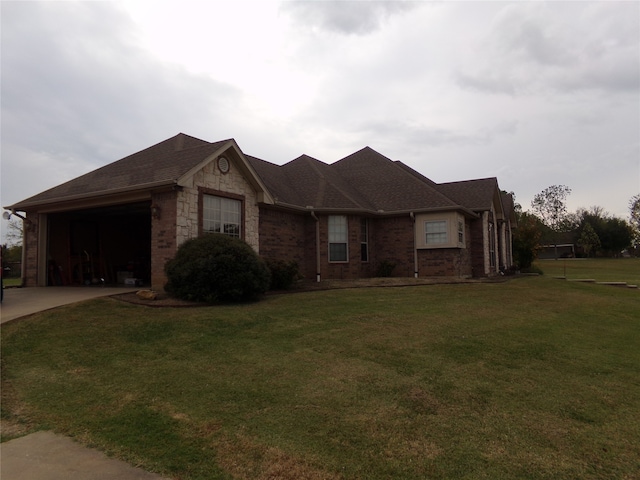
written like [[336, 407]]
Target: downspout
[[415, 250], [313, 214]]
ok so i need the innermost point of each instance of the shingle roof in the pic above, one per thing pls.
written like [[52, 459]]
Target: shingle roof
[[362, 181], [163, 162], [473, 194]]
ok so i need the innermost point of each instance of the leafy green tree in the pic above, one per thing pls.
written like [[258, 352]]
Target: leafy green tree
[[615, 234], [526, 239], [589, 240], [551, 206]]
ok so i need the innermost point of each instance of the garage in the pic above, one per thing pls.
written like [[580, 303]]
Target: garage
[[107, 245]]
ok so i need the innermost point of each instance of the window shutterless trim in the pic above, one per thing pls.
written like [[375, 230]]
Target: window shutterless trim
[[202, 191], [342, 236]]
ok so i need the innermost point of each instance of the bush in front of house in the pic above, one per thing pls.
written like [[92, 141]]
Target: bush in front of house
[[385, 268], [283, 274], [216, 268]]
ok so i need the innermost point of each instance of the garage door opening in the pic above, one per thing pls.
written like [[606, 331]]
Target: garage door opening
[[100, 246]]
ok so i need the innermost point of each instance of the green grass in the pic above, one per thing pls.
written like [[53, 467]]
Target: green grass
[[533, 378], [12, 282], [600, 269]]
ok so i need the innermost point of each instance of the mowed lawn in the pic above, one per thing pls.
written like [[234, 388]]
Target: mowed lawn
[[531, 378], [599, 269]]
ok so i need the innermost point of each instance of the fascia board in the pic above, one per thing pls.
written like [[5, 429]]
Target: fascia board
[[245, 168]]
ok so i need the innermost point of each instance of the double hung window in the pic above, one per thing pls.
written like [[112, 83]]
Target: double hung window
[[338, 235], [436, 232], [221, 215]]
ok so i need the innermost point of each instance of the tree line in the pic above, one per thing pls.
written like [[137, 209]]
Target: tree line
[[593, 232]]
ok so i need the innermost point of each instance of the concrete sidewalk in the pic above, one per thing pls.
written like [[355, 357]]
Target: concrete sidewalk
[[45, 455], [19, 302]]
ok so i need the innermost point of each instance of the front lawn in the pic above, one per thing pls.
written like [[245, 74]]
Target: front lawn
[[532, 378], [599, 269]]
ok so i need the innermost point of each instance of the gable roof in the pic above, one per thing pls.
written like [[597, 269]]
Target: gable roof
[[365, 181], [162, 164], [478, 195]]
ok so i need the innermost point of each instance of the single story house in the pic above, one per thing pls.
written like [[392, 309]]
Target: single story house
[[337, 221]]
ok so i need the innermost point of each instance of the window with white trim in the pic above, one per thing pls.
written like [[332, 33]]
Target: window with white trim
[[436, 232], [338, 251], [364, 240], [460, 232], [221, 215]]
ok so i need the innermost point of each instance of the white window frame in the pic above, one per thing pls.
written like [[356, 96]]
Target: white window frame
[[439, 234], [338, 233], [364, 240], [222, 215]]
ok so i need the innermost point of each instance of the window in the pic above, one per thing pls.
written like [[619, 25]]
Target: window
[[338, 238], [436, 232], [364, 240], [221, 215], [460, 232]]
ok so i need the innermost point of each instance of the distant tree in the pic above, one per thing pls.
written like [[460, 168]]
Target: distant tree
[[589, 240], [526, 239], [618, 235], [615, 234], [551, 206], [13, 231], [634, 219]]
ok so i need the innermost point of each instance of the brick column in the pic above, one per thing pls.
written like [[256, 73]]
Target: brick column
[[163, 236]]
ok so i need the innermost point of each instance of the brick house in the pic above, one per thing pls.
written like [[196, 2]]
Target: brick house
[[342, 220]]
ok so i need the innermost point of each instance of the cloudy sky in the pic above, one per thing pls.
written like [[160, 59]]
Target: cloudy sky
[[533, 93]]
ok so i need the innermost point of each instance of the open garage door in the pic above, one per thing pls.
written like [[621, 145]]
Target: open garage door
[[104, 245]]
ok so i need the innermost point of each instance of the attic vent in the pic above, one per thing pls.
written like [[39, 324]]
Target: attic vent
[[223, 164]]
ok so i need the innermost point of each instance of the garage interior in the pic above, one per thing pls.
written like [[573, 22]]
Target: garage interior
[[100, 246]]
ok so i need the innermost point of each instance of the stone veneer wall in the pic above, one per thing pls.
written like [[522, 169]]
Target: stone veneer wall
[[210, 177]]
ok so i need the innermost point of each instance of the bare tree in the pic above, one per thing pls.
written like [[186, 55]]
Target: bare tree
[[551, 206], [634, 218], [13, 231]]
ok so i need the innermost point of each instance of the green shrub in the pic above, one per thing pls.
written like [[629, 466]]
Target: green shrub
[[385, 268], [283, 274], [216, 268]]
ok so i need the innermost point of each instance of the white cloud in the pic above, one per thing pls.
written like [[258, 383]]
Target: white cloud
[[535, 93]]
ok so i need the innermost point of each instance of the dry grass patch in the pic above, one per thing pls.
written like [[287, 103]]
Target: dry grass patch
[[532, 378]]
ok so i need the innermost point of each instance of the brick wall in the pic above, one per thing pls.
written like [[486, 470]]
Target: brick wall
[[163, 237], [478, 255], [30, 244], [284, 236], [392, 240], [292, 236], [447, 262]]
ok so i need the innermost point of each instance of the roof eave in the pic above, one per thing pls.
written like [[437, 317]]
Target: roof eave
[[381, 213], [50, 204]]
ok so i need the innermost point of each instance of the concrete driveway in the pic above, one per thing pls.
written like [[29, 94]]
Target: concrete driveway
[[19, 302], [45, 455]]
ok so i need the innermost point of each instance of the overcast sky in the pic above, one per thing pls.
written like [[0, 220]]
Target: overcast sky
[[533, 93]]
